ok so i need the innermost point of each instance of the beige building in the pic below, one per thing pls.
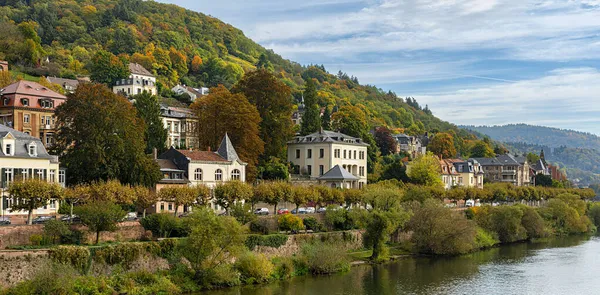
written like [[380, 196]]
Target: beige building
[[182, 127], [314, 155], [139, 80], [507, 169], [461, 173], [23, 157]]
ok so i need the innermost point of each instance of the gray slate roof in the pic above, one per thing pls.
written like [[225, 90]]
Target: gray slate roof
[[499, 161], [338, 173], [227, 151], [325, 136], [64, 82], [22, 142], [139, 69]]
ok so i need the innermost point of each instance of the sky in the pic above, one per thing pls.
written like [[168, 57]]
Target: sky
[[473, 62]]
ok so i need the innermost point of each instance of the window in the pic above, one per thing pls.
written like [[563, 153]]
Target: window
[[46, 103], [25, 102], [40, 174], [6, 101], [460, 180], [8, 175], [297, 154], [321, 153], [52, 175], [309, 154], [170, 206], [32, 150], [61, 176], [218, 175], [344, 154], [198, 174], [321, 170], [354, 155], [336, 153], [26, 118], [309, 169], [235, 174], [361, 170], [24, 174], [162, 207], [8, 150]]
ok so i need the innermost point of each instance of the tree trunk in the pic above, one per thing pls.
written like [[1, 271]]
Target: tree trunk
[[30, 217], [71, 214], [144, 213], [275, 209], [97, 237], [176, 207]]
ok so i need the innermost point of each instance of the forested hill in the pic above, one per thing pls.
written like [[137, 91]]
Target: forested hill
[[63, 38], [539, 135]]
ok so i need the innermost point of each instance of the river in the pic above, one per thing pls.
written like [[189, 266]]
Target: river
[[568, 265]]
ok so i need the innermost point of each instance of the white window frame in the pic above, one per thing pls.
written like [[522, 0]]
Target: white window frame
[[218, 175], [236, 174], [198, 174]]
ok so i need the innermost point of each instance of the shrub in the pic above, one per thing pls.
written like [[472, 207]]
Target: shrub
[[311, 223], [533, 223], [274, 241], [74, 237], [594, 214], [323, 258], [123, 253], [260, 226], [48, 279], [564, 219], [506, 222], [335, 218], [55, 230], [224, 275], [143, 282], [163, 225], [36, 240], [77, 257], [254, 268], [284, 268], [289, 222], [484, 239], [242, 213]]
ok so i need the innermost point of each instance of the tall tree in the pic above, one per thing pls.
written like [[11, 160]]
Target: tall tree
[[385, 141], [273, 100], [100, 216], [107, 68], [264, 63], [222, 112], [148, 109], [442, 144], [482, 149], [31, 194], [425, 170], [100, 137], [326, 119], [311, 119]]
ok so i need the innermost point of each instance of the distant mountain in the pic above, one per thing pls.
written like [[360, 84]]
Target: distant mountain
[[577, 153], [540, 135]]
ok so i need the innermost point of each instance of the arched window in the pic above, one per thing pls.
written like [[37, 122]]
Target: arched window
[[218, 175], [198, 174], [32, 150], [235, 174]]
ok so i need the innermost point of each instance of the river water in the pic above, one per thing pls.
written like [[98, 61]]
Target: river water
[[562, 266]]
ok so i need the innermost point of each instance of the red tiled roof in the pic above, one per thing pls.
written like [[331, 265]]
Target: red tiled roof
[[32, 89], [203, 156]]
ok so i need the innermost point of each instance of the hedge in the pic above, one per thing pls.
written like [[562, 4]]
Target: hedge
[[274, 241]]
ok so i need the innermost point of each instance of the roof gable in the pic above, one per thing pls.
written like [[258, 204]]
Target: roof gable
[[338, 173], [31, 88]]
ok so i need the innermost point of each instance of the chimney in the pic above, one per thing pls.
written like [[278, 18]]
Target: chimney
[[155, 153]]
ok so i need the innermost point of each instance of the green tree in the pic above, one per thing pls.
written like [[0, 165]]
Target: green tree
[[264, 63], [482, 149], [178, 195], [326, 119], [228, 193], [100, 137], [532, 158], [148, 109], [380, 225], [442, 144], [106, 68], [222, 112], [425, 170], [55, 229], [100, 216], [273, 100], [311, 120], [274, 169], [30, 194]]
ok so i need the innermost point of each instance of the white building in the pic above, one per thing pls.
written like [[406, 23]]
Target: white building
[[23, 157], [194, 93], [139, 80], [182, 127], [316, 154]]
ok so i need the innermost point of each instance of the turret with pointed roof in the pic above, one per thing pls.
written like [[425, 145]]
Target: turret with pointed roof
[[227, 151]]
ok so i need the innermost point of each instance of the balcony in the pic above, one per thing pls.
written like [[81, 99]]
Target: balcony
[[509, 172], [47, 126]]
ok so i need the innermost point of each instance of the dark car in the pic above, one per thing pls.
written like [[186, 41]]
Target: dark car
[[70, 219], [42, 219], [4, 220]]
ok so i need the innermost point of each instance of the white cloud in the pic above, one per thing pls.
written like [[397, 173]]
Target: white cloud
[[563, 98]]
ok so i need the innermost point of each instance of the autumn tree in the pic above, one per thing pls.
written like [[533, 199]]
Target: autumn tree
[[5, 78], [52, 86], [107, 68], [352, 120], [100, 216], [273, 100], [228, 193], [222, 112], [482, 149], [311, 120], [30, 194], [148, 109], [442, 144], [178, 195], [196, 64], [425, 170], [385, 141], [100, 137], [144, 198]]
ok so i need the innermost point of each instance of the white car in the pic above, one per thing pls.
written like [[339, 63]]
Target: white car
[[470, 203], [310, 210], [261, 211]]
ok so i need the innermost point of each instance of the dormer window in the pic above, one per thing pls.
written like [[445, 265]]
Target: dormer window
[[25, 102], [8, 149], [6, 101], [47, 103], [32, 150]]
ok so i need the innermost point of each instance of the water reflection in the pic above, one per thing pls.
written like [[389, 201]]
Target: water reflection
[[549, 267]]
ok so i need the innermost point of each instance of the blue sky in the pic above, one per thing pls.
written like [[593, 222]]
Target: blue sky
[[479, 62]]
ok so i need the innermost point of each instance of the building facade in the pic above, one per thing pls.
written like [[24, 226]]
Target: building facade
[[410, 145], [507, 169], [23, 156], [194, 93], [139, 80], [171, 176], [29, 107], [314, 155], [461, 173], [182, 127]]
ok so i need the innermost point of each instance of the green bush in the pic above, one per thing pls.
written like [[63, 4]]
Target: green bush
[[254, 268], [164, 225], [565, 219], [75, 237], [54, 230], [143, 282], [594, 213], [323, 258], [311, 223], [335, 218], [484, 239], [274, 241], [289, 222], [260, 226], [242, 213], [123, 253], [36, 240], [533, 223], [507, 223], [224, 275], [77, 257], [284, 268]]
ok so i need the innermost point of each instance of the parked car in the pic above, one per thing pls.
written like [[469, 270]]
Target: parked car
[[300, 210], [131, 216], [42, 219], [450, 205], [322, 210], [470, 203], [261, 211], [310, 210], [4, 220], [283, 211], [69, 218]]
